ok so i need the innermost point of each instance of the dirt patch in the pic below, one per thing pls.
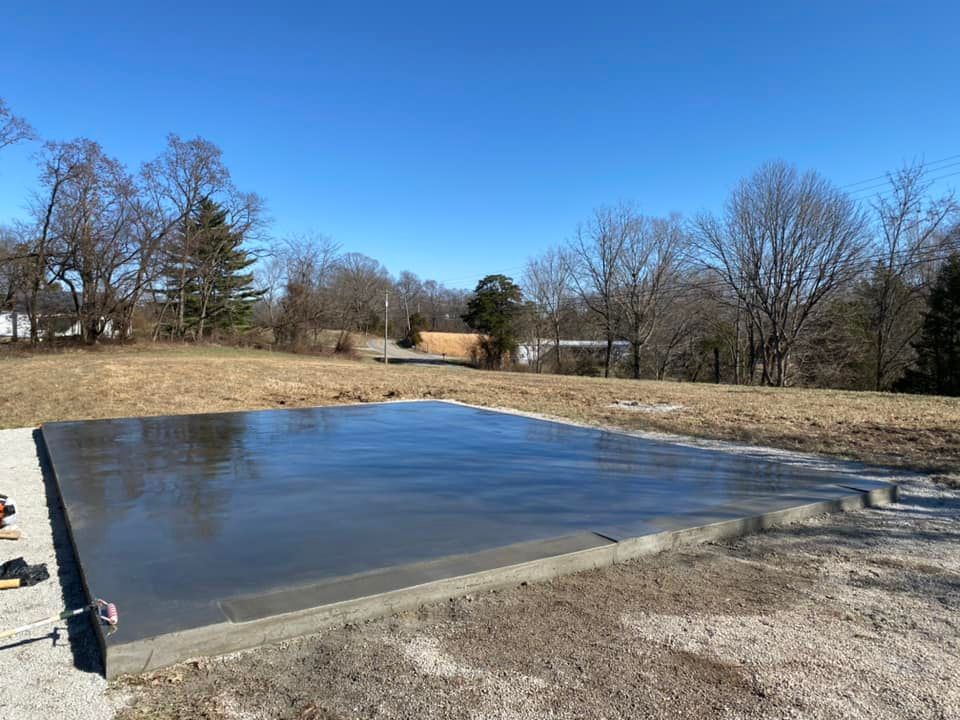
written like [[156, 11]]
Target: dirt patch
[[635, 406]]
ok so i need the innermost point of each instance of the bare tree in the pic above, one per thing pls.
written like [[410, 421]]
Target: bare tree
[[85, 238], [96, 254], [547, 284], [534, 327], [173, 185], [681, 324], [908, 225], [13, 129], [60, 164], [359, 285], [148, 230], [432, 291], [13, 254], [648, 262], [409, 290], [784, 243], [10, 252], [444, 306], [596, 251], [306, 264]]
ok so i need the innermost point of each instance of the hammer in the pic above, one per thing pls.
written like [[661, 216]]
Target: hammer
[[16, 573]]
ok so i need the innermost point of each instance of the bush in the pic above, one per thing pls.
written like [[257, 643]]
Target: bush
[[418, 323], [489, 354], [344, 344]]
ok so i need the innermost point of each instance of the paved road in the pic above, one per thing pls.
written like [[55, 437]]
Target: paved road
[[406, 355]]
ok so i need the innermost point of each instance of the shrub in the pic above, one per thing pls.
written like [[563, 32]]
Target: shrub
[[344, 344]]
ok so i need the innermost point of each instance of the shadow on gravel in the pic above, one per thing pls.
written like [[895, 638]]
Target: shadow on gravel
[[918, 518], [83, 641], [856, 537], [53, 636]]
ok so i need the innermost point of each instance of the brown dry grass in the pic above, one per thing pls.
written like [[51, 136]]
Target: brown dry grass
[[457, 345], [903, 430]]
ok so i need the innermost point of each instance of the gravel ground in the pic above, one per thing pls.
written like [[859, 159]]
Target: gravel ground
[[852, 616], [54, 671]]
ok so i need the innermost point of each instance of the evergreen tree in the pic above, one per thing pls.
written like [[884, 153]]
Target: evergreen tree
[[495, 310], [218, 289], [938, 349], [418, 323]]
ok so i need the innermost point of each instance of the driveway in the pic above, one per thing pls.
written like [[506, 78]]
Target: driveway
[[408, 356]]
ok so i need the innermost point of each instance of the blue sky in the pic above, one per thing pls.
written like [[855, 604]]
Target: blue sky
[[458, 139]]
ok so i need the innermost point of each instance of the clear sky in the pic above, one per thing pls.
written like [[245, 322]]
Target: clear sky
[[457, 139]]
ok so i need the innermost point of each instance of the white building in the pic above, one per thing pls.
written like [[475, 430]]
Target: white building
[[528, 353], [62, 325], [7, 321]]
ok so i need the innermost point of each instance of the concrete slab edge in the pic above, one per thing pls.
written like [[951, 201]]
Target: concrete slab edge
[[47, 466], [222, 638]]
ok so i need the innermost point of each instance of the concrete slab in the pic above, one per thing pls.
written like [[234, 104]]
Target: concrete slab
[[376, 582], [274, 522]]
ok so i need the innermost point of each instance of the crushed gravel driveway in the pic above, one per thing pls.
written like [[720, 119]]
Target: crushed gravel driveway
[[54, 671]]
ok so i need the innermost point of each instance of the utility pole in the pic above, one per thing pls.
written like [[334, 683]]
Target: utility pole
[[386, 316]]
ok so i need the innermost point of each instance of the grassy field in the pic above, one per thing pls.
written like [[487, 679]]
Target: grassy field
[[444, 343], [913, 431]]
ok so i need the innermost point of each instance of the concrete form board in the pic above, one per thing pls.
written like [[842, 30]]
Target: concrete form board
[[566, 498]]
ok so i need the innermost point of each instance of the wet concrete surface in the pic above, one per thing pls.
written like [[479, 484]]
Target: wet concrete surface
[[176, 519]]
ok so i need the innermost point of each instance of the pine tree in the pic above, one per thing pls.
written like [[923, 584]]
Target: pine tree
[[495, 310], [218, 293], [938, 349]]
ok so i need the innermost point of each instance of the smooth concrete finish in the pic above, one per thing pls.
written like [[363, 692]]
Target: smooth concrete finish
[[228, 637], [219, 532], [376, 582]]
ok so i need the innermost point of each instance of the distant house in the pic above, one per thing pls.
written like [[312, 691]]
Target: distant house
[[530, 353], [55, 310], [14, 325]]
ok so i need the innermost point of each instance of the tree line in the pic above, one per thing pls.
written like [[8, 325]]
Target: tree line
[[792, 282], [176, 251], [310, 285], [173, 241]]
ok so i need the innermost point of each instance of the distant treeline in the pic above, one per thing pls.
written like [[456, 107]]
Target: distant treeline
[[794, 282]]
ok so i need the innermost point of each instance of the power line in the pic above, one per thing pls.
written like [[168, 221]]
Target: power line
[[504, 271], [886, 176], [686, 290], [859, 195], [856, 195]]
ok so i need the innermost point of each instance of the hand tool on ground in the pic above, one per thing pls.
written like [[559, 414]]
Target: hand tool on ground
[[106, 612], [16, 573], [8, 511], [9, 534]]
